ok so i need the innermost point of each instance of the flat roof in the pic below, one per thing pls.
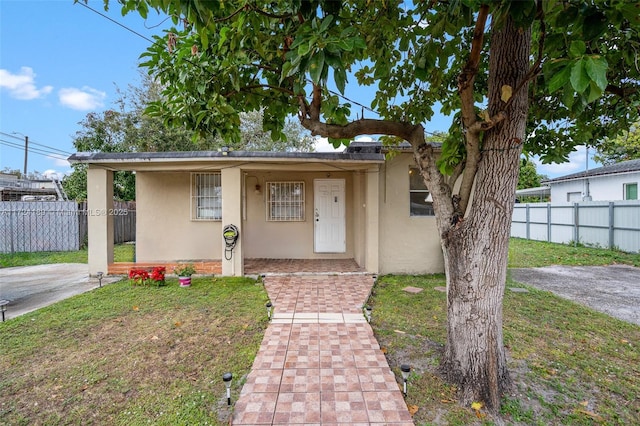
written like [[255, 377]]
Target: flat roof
[[268, 156]]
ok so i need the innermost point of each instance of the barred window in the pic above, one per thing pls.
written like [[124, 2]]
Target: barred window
[[285, 201], [206, 196], [420, 201]]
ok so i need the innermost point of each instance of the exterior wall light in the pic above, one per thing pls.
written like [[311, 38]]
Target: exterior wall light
[[226, 378]]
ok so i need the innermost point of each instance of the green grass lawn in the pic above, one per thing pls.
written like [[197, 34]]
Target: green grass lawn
[[121, 253], [138, 355], [123, 355], [569, 364], [530, 254]]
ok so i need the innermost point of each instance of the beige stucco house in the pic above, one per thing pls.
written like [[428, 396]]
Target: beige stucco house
[[355, 204]]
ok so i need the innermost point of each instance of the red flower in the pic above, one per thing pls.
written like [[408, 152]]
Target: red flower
[[157, 274], [139, 276]]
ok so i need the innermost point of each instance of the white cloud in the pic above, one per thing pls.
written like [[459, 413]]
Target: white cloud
[[576, 163], [364, 139], [22, 85], [57, 174], [83, 99], [49, 174], [59, 161], [323, 145]]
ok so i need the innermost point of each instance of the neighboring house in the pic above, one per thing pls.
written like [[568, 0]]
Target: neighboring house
[[609, 183], [14, 189], [287, 205]]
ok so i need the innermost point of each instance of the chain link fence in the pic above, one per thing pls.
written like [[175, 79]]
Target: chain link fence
[[35, 226]]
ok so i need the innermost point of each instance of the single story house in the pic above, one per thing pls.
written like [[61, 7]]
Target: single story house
[[358, 204], [614, 182]]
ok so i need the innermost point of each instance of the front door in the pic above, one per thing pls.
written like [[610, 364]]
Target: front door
[[329, 216]]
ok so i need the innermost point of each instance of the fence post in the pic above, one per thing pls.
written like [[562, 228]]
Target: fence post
[[611, 220], [548, 222], [576, 224], [527, 219], [12, 230]]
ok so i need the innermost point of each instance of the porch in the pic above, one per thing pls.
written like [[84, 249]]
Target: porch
[[253, 266]]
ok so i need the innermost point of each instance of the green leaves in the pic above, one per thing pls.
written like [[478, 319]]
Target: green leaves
[[316, 67], [579, 77], [584, 77], [577, 48], [596, 68]]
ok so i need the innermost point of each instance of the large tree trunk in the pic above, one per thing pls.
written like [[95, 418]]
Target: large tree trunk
[[476, 247]]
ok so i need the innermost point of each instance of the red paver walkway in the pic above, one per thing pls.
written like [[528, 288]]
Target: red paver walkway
[[319, 363]]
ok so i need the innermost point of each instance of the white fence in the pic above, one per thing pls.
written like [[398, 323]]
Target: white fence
[[599, 223]]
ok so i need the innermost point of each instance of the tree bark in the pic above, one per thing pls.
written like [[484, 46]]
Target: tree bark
[[476, 248]]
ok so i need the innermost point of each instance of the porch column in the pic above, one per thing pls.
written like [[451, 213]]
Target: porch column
[[99, 218], [372, 223], [231, 180]]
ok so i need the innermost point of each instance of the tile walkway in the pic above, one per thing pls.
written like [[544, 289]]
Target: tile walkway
[[297, 266], [319, 363]]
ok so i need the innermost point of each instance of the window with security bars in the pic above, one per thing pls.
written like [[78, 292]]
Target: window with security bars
[[206, 196], [420, 201], [285, 201]]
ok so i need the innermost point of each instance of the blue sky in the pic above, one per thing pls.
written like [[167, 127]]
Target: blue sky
[[60, 61]]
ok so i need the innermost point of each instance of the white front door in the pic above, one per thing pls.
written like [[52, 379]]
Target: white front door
[[329, 216]]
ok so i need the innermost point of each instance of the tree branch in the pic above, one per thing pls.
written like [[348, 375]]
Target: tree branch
[[465, 88], [259, 86], [270, 15], [470, 70], [316, 102], [623, 92], [440, 189], [537, 66], [360, 127], [483, 126], [226, 18]]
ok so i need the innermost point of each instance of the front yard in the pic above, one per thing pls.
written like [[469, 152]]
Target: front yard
[[132, 355], [156, 355]]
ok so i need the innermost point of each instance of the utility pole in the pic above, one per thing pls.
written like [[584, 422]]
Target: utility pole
[[26, 152]]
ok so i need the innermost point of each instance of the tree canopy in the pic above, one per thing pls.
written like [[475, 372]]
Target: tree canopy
[[128, 128], [529, 177], [623, 147]]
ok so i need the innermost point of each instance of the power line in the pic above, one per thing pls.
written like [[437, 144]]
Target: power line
[[32, 142], [364, 107], [115, 22], [32, 150], [49, 147]]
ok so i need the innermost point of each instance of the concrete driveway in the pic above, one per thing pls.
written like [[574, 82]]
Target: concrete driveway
[[28, 288], [614, 290]]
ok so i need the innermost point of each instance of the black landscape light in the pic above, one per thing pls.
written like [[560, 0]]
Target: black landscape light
[[405, 369], [99, 276], [3, 307], [226, 378], [269, 306], [367, 312]]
